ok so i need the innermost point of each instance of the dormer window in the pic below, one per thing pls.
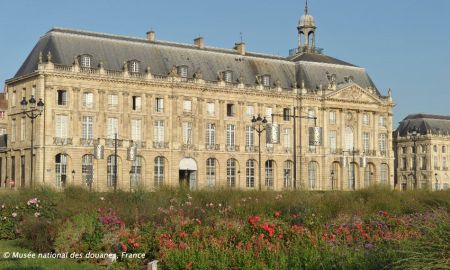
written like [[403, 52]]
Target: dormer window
[[85, 61], [228, 76], [265, 79], [183, 71], [133, 66]]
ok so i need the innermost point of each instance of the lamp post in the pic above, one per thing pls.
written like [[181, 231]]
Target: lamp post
[[259, 125], [32, 112], [352, 152], [414, 134]]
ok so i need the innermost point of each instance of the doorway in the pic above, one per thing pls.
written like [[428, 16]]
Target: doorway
[[188, 173]]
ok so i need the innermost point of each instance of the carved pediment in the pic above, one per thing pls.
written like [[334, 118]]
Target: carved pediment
[[354, 93]]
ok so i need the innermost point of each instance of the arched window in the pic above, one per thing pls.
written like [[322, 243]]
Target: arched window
[[85, 61], [312, 174], [61, 170], [348, 139], [269, 173], [159, 171], [352, 176], [250, 173], [384, 170], [231, 172], [87, 169], [335, 175], [404, 183], [136, 173], [111, 176], [369, 172], [424, 182], [211, 172], [287, 174]]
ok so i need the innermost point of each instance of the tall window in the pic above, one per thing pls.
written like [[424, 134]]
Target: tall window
[[269, 112], [136, 131], [88, 99], [382, 143], [444, 163], [22, 171], [210, 108], [231, 172], [333, 141], [368, 174], [286, 114], [348, 139], [211, 172], [61, 170], [311, 116], [61, 97], [231, 110], [187, 132], [158, 131], [159, 106], [113, 102], [183, 71], [365, 119], [85, 61], [13, 99], [287, 174], [287, 138], [231, 135], [137, 103], [87, 169], [382, 121], [159, 171], [187, 106], [351, 175], [332, 118], [133, 66], [249, 136], [210, 134], [366, 142], [111, 176], [13, 130], [444, 149], [2, 131], [250, 173], [136, 172], [23, 129], [266, 80], [436, 162], [384, 170], [269, 173], [312, 174], [62, 126], [228, 76], [87, 127], [250, 110], [112, 127]]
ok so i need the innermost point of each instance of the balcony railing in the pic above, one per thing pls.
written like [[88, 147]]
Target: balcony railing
[[213, 147], [370, 153], [62, 141], [140, 144], [187, 147], [445, 168], [251, 148], [437, 168], [160, 145], [86, 142], [110, 143], [269, 149], [232, 148]]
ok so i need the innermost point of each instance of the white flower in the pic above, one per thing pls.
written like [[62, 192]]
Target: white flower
[[14, 214], [220, 205], [37, 214], [102, 198], [3, 206]]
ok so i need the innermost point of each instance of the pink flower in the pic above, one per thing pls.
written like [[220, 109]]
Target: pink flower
[[277, 214]]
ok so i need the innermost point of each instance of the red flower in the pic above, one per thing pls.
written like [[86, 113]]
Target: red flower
[[270, 229], [183, 234], [136, 245], [277, 214], [124, 247], [253, 220], [358, 226], [188, 266]]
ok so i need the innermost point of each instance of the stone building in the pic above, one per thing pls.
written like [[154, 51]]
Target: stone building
[[421, 148], [188, 109]]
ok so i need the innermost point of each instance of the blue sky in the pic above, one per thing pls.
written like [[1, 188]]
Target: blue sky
[[403, 44]]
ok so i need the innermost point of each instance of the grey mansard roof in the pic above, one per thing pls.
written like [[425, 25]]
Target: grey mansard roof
[[425, 124], [307, 69]]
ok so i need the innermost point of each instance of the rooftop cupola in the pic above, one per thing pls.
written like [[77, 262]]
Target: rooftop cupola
[[306, 31]]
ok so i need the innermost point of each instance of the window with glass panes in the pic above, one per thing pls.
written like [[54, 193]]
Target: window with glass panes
[[287, 174], [250, 110], [332, 138], [382, 121], [249, 136], [88, 99], [183, 71], [231, 172], [210, 108], [85, 61], [311, 116], [111, 176], [266, 80], [112, 127], [87, 127], [61, 97], [159, 171], [269, 112], [365, 119], [210, 134], [136, 172], [61, 126], [136, 129], [187, 132], [384, 170], [187, 106], [382, 142], [228, 76], [231, 134], [269, 173], [287, 138], [134, 66], [211, 172], [159, 104], [87, 169], [13, 130], [113, 101], [312, 174], [250, 173], [23, 129], [332, 118], [136, 103], [158, 131], [366, 142]]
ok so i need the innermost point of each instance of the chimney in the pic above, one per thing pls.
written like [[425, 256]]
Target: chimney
[[199, 42], [151, 36], [240, 47]]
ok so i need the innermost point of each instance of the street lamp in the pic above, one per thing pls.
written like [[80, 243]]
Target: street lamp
[[259, 125], [414, 135], [29, 110]]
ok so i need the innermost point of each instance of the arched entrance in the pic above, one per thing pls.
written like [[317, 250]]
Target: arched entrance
[[188, 173]]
